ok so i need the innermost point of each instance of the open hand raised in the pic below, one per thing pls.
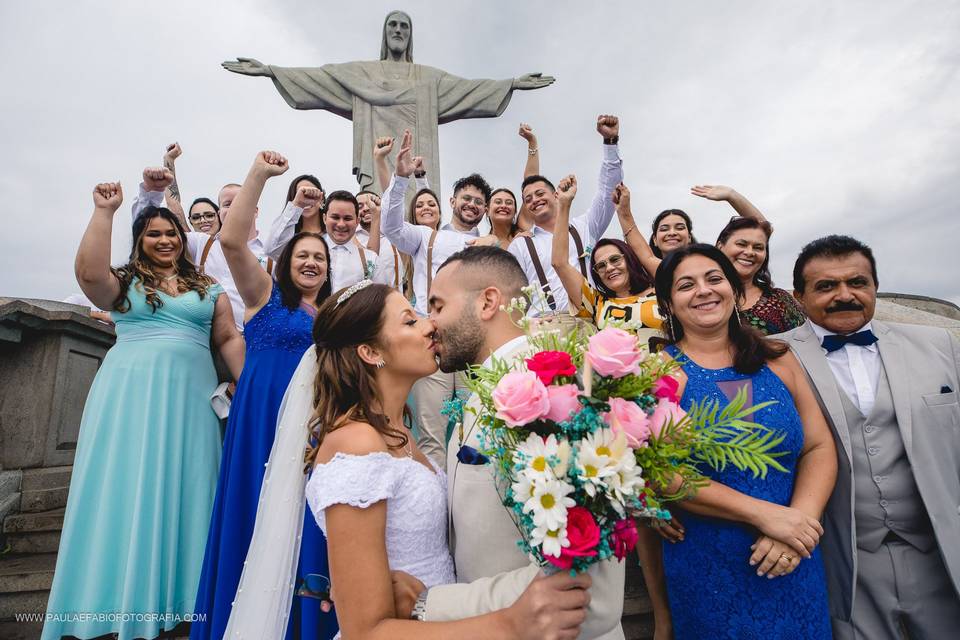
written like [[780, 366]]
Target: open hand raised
[[157, 178], [712, 192], [530, 81], [108, 196], [247, 67], [270, 164], [405, 164]]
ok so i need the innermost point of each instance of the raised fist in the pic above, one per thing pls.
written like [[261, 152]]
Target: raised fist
[[157, 178], [383, 146], [608, 126], [418, 169], [308, 198], [108, 195], [567, 189], [621, 197], [527, 134], [172, 153], [270, 164]]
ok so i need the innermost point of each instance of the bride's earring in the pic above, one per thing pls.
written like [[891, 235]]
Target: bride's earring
[[381, 364]]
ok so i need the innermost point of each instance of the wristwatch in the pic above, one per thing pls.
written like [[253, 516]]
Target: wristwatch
[[420, 607], [419, 174], [613, 140]]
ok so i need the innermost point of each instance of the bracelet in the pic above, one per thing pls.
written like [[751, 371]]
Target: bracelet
[[533, 151], [420, 607], [419, 174], [613, 140], [627, 232]]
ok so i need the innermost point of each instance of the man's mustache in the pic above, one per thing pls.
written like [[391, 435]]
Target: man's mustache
[[845, 306]]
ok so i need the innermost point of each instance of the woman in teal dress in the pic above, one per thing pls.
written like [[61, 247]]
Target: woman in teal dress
[[746, 565], [278, 328], [149, 446]]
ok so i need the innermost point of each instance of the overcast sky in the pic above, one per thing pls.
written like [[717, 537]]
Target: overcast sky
[[832, 117]]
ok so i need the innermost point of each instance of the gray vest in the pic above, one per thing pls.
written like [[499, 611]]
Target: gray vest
[[886, 495]]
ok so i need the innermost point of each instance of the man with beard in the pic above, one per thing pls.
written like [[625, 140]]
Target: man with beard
[[466, 305], [889, 391], [429, 248], [540, 198]]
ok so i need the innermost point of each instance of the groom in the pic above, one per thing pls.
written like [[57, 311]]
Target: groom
[[465, 305]]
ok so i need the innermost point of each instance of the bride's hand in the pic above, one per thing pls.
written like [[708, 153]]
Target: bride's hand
[[406, 590], [551, 608]]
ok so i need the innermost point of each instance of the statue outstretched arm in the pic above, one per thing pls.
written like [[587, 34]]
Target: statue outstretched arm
[[248, 67], [530, 81]]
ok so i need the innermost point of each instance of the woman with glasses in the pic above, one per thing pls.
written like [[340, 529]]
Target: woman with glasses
[[622, 290], [278, 319], [204, 216]]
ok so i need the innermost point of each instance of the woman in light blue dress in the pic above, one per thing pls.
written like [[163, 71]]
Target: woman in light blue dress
[[149, 447]]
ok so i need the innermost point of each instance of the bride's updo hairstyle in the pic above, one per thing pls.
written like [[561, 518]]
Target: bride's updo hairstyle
[[345, 389]]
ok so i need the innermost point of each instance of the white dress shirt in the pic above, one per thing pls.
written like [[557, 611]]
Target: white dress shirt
[[345, 267], [390, 267], [414, 239], [216, 264], [856, 368], [591, 228]]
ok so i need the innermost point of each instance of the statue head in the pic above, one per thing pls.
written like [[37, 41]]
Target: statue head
[[397, 43]]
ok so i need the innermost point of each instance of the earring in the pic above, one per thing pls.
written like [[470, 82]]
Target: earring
[[381, 364], [670, 326], [736, 310]]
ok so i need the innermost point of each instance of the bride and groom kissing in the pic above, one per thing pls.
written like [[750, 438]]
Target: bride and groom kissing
[[415, 551]]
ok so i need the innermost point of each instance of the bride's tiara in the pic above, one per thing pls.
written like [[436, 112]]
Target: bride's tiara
[[363, 284]]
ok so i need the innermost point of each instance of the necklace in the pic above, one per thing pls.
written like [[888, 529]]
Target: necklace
[[169, 278]]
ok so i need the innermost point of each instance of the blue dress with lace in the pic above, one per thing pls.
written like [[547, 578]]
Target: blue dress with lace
[[712, 589], [276, 339]]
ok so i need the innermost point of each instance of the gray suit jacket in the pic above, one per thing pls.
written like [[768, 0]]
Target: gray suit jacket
[[919, 361]]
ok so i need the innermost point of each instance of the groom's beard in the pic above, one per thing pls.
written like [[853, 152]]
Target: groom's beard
[[460, 345]]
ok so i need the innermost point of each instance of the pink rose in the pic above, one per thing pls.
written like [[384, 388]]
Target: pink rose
[[624, 537], [666, 387], [563, 401], [614, 353], [665, 412], [584, 536], [550, 364], [520, 398], [627, 417]]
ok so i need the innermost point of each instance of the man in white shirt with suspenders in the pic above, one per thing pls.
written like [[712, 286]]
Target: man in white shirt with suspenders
[[539, 196], [390, 265], [350, 261], [429, 248], [203, 249]]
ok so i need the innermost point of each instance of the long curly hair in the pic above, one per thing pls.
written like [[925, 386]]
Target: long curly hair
[[140, 268], [345, 389]]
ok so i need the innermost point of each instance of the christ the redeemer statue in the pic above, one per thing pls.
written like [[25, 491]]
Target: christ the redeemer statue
[[384, 97]]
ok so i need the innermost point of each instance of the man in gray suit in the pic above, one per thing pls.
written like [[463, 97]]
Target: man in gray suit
[[892, 527]]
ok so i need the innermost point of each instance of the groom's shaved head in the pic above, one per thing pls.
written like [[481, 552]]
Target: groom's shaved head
[[482, 267]]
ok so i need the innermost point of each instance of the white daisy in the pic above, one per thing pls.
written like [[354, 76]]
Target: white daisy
[[551, 541], [534, 455], [625, 483], [549, 503], [522, 488], [597, 457]]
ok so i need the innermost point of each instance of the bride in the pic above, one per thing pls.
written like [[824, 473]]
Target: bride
[[378, 499]]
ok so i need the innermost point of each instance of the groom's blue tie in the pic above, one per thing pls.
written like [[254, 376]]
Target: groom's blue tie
[[860, 338]]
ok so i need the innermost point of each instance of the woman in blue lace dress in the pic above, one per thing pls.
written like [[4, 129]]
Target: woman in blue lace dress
[[278, 323], [746, 563], [146, 462]]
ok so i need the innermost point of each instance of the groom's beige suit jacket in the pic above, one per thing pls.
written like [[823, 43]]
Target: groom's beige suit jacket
[[492, 572]]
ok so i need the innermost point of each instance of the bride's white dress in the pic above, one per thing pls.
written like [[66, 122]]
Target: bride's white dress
[[416, 533]]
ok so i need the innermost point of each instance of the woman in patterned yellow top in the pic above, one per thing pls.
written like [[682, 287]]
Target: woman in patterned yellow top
[[623, 292]]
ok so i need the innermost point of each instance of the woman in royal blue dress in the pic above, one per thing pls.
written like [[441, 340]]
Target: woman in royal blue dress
[[145, 470], [745, 562], [278, 323]]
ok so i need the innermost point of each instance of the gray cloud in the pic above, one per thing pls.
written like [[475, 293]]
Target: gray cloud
[[831, 117]]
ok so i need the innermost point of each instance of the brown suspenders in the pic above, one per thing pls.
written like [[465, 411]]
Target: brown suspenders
[[396, 268], [206, 252], [538, 266]]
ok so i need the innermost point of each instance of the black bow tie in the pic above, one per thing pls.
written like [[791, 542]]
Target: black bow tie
[[860, 338]]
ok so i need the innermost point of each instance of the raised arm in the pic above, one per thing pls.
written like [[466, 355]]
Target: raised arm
[[373, 204], [172, 193], [611, 174], [253, 283], [571, 278], [736, 200], [92, 265], [306, 202], [155, 183], [631, 233], [247, 67], [226, 338], [381, 149], [532, 168], [404, 236]]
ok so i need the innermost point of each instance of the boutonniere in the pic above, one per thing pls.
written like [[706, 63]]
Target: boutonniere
[[469, 455]]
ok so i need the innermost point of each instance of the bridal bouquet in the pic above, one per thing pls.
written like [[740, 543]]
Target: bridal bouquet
[[581, 432]]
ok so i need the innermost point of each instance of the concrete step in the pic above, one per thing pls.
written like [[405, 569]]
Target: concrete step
[[9, 504], [12, 630], [33, 542], [48, 478], [19, 604], [24, 573], [27, 522], [37, 500], [9, 482]]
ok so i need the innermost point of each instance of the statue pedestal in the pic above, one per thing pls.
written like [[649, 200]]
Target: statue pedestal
[[49, 355]]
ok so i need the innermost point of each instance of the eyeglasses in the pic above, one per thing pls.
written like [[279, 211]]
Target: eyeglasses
[[209, 216], [613, 261], [480, 202], [314, 586]]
